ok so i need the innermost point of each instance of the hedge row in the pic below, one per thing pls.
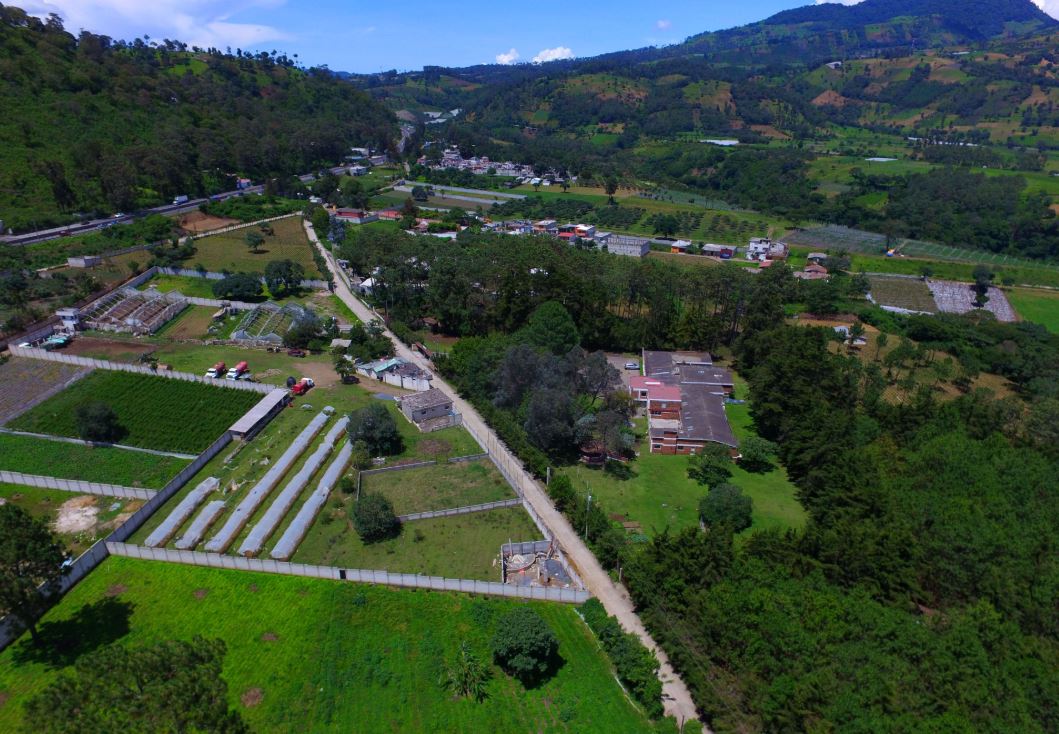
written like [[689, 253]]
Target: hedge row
[[637, 667]]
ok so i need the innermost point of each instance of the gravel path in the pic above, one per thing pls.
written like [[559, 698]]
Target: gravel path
[[615, 599]]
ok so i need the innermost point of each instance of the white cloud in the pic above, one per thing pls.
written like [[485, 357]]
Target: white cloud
[[197, 22], [1049, 6], [664, 25], [553, 54], [509, 58]]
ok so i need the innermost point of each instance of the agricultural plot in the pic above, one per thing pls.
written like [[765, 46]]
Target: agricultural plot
[[313, 655], [156, 412], [954, 297], [192, 324], [464, 546], [23, 382], [79, 520], [910, 294], [88, 463], [440, 487], [230, 252]]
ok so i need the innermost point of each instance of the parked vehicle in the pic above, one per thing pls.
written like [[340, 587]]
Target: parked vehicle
[[235, 372], [182, 199], [632, 365], [55, 342], [303, 386], [216, 371], [296, 353]]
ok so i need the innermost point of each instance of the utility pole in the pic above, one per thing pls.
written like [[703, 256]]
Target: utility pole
[[588, 506]]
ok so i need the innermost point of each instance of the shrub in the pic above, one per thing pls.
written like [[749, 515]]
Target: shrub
[[525, 646], [374, 518], [637, 668], [98, 422], [376, 428], [727, 505]]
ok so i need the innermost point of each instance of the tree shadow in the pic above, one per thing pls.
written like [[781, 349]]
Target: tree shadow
[[62, 642], [537, 679]]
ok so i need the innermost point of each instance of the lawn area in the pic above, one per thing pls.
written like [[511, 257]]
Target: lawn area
[[78, 519], [314, 655], [1039, 306], [660, 494], [185, 285], [87, 463], [265, 366], [229, 251], [463, 547], [157, 413], [440, 487]]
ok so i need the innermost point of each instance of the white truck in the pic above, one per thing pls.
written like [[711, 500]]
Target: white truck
[[182, 199]]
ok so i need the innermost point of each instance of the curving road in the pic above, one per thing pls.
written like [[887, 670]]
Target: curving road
[[615, 599]]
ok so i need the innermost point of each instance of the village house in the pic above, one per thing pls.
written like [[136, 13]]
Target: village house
[[628, 246], [683, 395], [765, 248], [812, 271], [397, 372], [725, 252], [356, 216], [427, 408]]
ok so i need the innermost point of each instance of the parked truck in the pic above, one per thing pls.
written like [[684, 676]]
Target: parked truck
[[182, 199], [216, 371], [302, 386], [236, 372]]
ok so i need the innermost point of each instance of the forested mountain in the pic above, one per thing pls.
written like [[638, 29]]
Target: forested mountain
[[91, 124]]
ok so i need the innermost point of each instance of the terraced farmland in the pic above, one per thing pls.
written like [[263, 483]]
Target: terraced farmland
[[907, 293], [157, 413]]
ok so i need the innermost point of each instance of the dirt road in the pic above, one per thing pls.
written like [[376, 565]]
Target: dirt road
[[615, 599]]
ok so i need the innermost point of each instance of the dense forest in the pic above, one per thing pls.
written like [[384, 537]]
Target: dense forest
[[921, 594], [96, 125]]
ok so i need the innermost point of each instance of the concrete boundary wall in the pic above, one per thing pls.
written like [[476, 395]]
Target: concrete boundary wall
[[75, 485], [401, 580], [466, 510], [101, 364]]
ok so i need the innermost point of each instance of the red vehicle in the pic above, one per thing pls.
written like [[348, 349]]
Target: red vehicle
[[236, 372], [302, 386], [216, 371]]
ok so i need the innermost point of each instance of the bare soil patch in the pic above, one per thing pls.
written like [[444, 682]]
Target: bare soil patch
[[201, 593], [196, 222], [112, 349], [252, 697], [253, 588], [270, 637], [77, 515], [117, 590], [4, 698], [434, 446]]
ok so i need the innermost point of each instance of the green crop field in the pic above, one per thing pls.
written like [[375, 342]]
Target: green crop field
[[87, 463], [158, 413], [188, 286], [460, 547], [229, 251], [660, 494], [440, 487], [311, 655], [1039, 306], [78, 519], [908, 293]]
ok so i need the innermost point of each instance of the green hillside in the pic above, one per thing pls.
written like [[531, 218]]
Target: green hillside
[[91, 124]]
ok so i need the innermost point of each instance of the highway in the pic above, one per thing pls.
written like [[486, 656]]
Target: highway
[[43, 235]]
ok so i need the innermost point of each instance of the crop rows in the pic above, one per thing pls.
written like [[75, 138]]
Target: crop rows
[[156, 413]]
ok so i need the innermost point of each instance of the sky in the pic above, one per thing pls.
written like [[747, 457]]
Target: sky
[[360, 36]]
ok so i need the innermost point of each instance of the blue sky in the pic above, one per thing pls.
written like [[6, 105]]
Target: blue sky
[[354, 35]]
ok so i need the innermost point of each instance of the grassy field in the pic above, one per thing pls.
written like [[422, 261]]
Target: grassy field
[[88, 463], [440, 487], [660, 494], [266, 366], [463, 547], [310, 655], [1038, 306], [229, 251], [193, 287], [158, 413], [78, 519]]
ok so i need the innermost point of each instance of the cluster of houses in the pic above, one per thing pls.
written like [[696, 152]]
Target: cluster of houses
[[451, 158], [683, 394], [397, 372], [583, 234], [362, 158]]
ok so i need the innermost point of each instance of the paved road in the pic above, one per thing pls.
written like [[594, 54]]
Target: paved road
[[615, 599]]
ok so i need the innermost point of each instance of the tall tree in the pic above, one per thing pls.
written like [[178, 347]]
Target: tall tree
[[30, 556]]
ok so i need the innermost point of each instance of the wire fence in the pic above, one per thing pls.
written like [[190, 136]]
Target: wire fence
[[467, 510], [404, 580]]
